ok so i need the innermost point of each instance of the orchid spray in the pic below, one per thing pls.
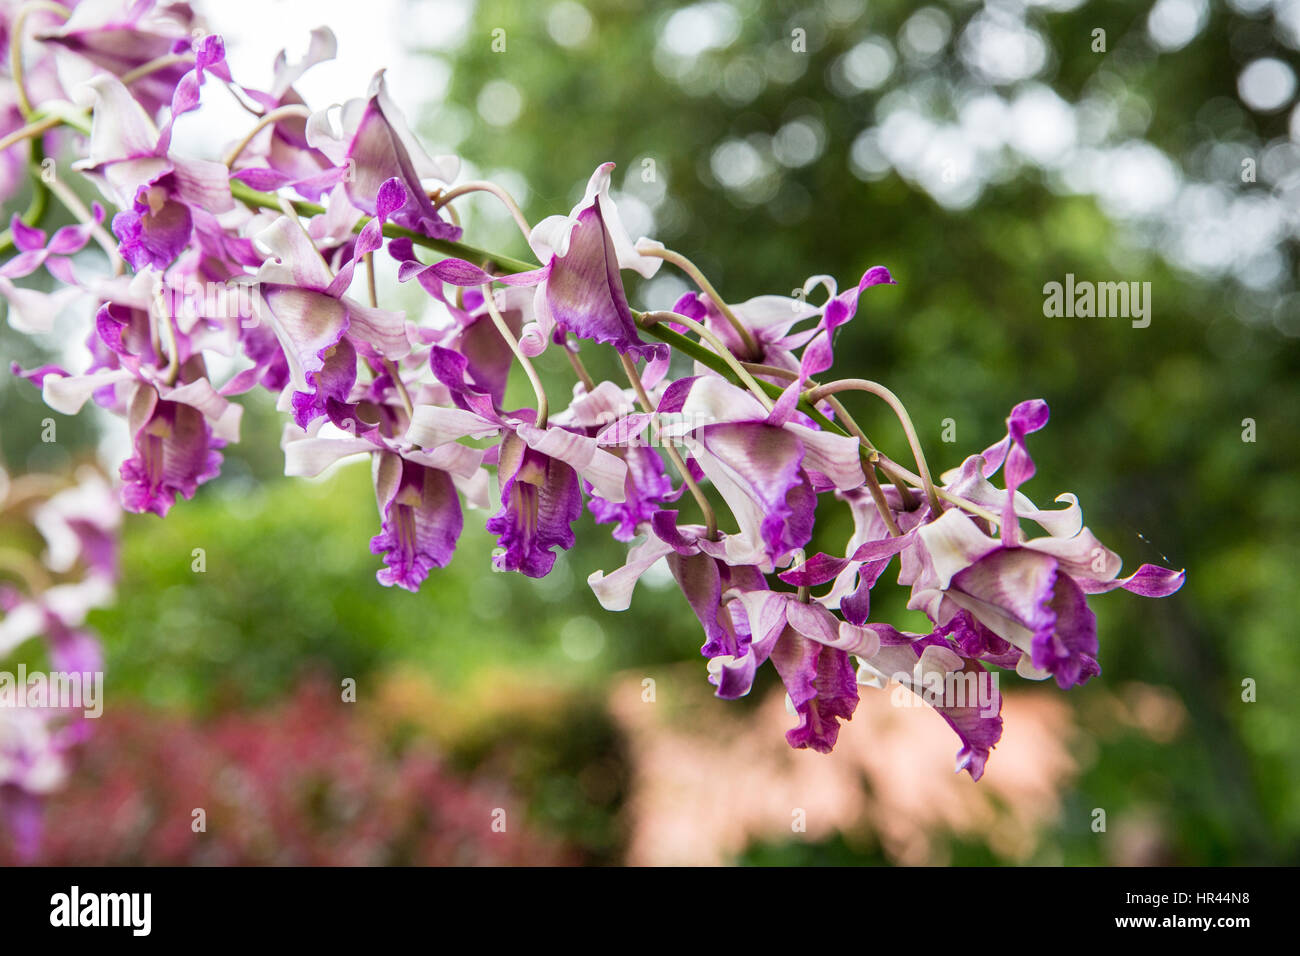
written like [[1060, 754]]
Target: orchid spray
[[717, 474]]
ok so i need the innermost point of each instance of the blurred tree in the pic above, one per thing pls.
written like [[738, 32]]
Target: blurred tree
[[749, 136]]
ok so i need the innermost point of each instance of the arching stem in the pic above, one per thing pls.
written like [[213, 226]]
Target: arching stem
[[16, 35], [39, 203], [814, 395], [898, 473], [653, 318], [483, 186], [543, 408], [710, 519], [692, 270], [260, 200], [579, 369], [34, 128], [393, 371], [284, 112], [854, 429]]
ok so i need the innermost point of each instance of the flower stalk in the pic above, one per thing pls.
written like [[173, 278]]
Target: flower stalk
[[698, 277]]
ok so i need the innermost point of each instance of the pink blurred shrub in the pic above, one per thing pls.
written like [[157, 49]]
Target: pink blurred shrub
[[308, 783]]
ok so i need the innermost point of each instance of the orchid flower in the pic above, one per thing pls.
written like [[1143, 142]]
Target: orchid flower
[[584, 253], [321, 330], [375, 145], [647, 487], [177, 420], [159, 192], [417, 494], [763, 466], [29, 310], [539, 468], [109, 37]]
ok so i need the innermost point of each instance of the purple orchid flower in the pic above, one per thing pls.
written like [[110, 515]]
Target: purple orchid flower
[[540, 499], [33, 764], [118, 37], [646, 490], [762, 464], [416, 490], [746, 624], [647, 487], [177, 419], [321, 330], [810, 650], [59, 612], [421, 520], [373, 146], [539, 468], [131, 161], [708, 574], [31, 310], [868, 554], [579, 286], [1029, 594], [281, 155], [812, 653], [949, 680], [81, 524], [488, 356], [583, 253], [175, 452], [770, 320]]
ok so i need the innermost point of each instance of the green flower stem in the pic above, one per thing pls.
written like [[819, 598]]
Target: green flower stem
[[40, 198], [675, 340], [692, 270], [710, 519], [17, 32], [647, 319], [579, 369], [543, 409], [260, 200], [34, 128], [284, 112], [816, 394]]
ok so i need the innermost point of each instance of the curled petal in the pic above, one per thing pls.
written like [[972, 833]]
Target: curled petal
[[1149, 580], [614, 590]]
